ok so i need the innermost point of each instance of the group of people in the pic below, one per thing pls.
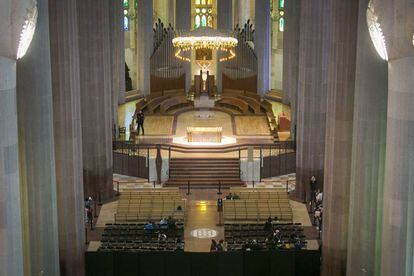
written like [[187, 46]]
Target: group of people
[[268, 226], [164, 224], [316, 204], [221, 246]]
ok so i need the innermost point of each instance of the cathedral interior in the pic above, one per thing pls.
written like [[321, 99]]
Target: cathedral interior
[[207, 137]]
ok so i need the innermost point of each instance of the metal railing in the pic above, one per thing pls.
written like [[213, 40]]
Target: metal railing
[[275, 159]]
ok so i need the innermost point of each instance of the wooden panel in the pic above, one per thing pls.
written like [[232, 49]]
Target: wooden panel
[[251, 125], [249, 84], [160, 84]]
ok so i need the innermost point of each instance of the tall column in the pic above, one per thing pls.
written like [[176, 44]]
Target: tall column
[[37, 156], [68, 135], [311, 95], [11, 251], [164, 9], [262, 45], [396, 20], [291, 58], [117, 42], [342, 24], [144, 44], [224, 22], [243, 12], [368, 155], [96, 97], [183, 22]]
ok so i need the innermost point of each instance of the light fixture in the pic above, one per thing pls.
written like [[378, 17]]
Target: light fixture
[[204, 38], [376, 33], [28, 30]]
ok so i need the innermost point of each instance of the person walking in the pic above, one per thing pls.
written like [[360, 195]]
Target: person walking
[[90, 217], [140, 122]]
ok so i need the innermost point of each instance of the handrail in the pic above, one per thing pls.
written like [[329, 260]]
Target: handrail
[[203, 149]]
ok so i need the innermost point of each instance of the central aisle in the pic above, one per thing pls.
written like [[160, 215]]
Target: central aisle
[[201, 225]]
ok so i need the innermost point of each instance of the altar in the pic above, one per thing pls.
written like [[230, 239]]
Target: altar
[[204, 134]]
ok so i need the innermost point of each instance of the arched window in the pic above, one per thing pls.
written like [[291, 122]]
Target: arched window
[[281, 15], [203, 20], [126, 19], [203, 13], [197, 21]]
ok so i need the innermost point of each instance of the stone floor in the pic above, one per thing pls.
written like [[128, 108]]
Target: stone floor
[[201, 225], [253, 127]]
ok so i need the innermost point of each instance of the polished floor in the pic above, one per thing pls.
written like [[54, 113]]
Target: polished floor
[[166, 126]]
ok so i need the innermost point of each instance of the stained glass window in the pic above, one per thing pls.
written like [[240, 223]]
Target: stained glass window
[[281, 15], [281, 24], [203, 21], [197, 21], [126, 19], [203, 14]]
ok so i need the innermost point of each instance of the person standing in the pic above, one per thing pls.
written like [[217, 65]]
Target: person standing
[[312, 185], [140, 122], [90, 217]]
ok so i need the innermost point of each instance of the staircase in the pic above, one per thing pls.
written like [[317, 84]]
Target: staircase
[[204, 172]]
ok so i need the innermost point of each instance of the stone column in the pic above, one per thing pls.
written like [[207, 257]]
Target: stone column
[[398, 208], [117, 42], [11, 251], [37, 156], [291, 58], [311, 95], [68, 135], [262, 45], [396, 20], [96, 97], [183, 22], [368, 155], [225, 23], [342, 25], [144, 44], [243, 12]]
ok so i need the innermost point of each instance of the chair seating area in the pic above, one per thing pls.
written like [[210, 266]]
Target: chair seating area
[[133, 238], [255, 237], [257, 205], [150, 204]]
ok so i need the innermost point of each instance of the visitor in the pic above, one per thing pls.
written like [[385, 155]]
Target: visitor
[[162, 237], [149, 227], [88, 202], [312, 186], [171, 223], [229, 196], [163, 224], [90, 217], [268, 225], [319, 198], [221, 246], [213, 246], [179, 245], [140, 122], [236, 196], [179, 208]]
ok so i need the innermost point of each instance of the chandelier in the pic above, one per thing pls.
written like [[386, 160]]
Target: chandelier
[[205, 38]]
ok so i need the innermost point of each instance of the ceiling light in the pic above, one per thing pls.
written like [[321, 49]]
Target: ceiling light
[[27, 33], [376, 33]]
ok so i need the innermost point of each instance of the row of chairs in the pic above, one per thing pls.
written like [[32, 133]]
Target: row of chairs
[[256, 237], [133, 237], [140, 205], [256, 211], [146, 215]]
